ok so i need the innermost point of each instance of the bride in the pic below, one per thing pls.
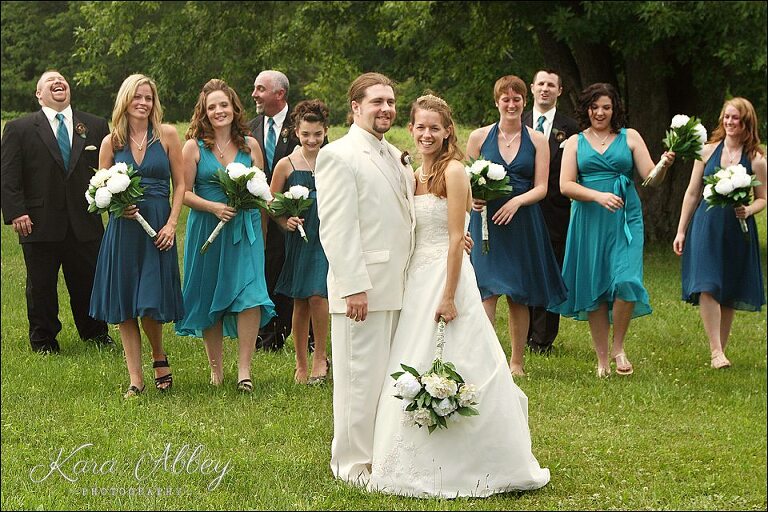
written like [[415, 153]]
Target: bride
[[476, 455]]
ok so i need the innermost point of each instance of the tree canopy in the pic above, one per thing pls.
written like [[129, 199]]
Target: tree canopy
[[664, 57]]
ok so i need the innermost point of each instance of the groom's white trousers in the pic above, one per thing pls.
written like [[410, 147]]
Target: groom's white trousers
[[360, 356]]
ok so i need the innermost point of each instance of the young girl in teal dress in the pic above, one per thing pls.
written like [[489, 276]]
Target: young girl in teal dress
[[305, 270], [225, 291], [603, 266]]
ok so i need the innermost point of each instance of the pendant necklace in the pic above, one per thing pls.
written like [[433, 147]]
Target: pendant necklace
[[140, 146], [602, 142], [508, 142], [221, 151], [301, 151], [728, 153]]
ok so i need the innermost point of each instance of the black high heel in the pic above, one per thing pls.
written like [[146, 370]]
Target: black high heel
[[159, 381]]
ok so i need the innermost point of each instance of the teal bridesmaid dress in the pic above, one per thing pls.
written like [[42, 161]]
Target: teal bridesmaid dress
[[604, 251], [229, 277]]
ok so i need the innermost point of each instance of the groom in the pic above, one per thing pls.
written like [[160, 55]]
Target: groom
[[365, 205]]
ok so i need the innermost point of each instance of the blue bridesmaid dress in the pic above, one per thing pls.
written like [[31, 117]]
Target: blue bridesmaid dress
[[133, 277], [717, 257], [520, 263]]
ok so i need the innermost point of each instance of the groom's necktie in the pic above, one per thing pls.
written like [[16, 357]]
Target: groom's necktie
[[540, 124], [62, 137], [270, 142]]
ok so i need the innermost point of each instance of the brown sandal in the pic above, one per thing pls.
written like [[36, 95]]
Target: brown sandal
[[623, 366]]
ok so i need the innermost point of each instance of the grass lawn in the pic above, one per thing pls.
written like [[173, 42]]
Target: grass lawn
[[675, 435]]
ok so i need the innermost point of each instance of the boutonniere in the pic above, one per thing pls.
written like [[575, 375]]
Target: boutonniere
[[560, 135], [284, 135], [81, 130]]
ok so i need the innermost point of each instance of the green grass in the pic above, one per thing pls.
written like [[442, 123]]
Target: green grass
[[675, 435]]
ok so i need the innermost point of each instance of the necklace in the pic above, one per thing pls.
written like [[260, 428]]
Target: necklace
[[509, 142], [602, 142], [421, 177], [728, 153], [140, 145], [301, 151], [221, 151]]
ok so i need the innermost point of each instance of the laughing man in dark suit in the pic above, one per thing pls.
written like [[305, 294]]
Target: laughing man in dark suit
[[555, 207], [47, 162]]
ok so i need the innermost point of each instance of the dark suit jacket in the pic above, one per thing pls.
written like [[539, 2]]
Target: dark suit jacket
[[286, 140], [35, 182], [555, 206]]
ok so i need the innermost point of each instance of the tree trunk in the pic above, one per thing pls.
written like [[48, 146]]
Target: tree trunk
[[648, 111]]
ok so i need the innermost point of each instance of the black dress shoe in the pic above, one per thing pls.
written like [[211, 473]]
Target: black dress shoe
[[46, 347], [102, 339], [539, 349], [270, 341]]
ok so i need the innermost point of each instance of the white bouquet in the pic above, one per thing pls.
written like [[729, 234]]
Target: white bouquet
[[115, 189], [488, 181], [439, 393], [294, 202], [686, 138], [245, 187], [729, 187]]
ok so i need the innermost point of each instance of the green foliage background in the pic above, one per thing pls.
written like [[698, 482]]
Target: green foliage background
[[665, 57]]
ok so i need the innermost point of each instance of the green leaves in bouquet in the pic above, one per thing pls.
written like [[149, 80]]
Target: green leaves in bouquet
[[408, 369], [283, 206], [684, 141], [236, 191]]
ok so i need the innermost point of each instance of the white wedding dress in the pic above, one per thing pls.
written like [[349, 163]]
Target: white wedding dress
[[476, 455]]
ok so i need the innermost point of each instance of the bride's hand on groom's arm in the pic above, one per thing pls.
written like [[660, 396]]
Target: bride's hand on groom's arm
[[357, 306], [468, 243]]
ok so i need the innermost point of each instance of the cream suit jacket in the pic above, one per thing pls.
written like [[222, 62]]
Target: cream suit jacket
[[366, 223]]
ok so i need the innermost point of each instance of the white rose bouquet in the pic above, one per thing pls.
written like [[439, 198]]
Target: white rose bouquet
[[293, 203], [488, 181], [245, 187], [434, 396], [115, 189], [686, 138], [730, 187]]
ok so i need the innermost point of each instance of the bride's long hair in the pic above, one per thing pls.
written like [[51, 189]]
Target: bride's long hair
[[450, 148]]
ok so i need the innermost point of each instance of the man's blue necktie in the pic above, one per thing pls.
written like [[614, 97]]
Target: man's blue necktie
[[62, 137], [270, 142], [540, 125]]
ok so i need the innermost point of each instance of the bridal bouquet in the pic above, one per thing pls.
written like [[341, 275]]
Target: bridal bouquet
[[292, 203], [686, 137], [437, 394], [488, 181], [245, 187], [729, 187], [115, 189]]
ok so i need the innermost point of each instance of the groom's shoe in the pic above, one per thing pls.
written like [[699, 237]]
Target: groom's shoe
[[46, 346]]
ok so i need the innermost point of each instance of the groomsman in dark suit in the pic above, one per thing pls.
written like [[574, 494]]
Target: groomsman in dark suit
[[274, 133], [544, 117], [47, 162]]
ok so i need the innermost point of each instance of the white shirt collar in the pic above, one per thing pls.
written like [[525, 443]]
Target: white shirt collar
[[51, 114], [279, 120]]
